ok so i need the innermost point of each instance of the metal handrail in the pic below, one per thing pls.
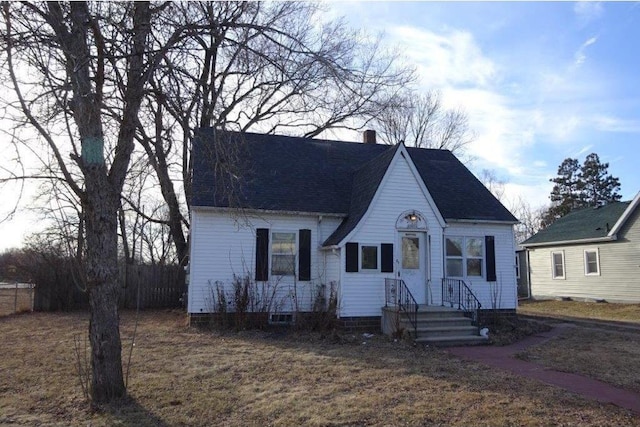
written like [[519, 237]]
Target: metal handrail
[[397, 293], [456, 293]]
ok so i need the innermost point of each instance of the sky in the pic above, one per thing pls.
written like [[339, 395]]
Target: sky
[[540, 82]]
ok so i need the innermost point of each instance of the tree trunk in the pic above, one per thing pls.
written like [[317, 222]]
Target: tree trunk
[[102, 282]]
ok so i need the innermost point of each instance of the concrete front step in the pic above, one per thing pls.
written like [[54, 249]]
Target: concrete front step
[[437, 326], [452, 340], [429, 331], [443, 322]]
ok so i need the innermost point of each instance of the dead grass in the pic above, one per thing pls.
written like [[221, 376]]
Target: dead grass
[[8, 301], [180, 376], [582, 310], [611, 357]]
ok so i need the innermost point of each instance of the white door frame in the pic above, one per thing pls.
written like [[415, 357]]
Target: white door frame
[[417, 283]]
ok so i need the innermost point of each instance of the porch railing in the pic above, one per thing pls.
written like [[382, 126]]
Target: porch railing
[[456, 293], [398, 294]]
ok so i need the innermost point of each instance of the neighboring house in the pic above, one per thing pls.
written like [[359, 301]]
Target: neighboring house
[[591, 254], [522, 272], [297, 216]]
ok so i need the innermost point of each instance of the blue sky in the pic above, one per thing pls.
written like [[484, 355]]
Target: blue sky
[[540, 81]]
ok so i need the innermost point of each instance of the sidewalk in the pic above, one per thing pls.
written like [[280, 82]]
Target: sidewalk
[[503, 358]]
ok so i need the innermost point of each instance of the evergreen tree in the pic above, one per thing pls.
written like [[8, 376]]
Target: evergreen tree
[[576, 187], [566, 193], [598, 187]]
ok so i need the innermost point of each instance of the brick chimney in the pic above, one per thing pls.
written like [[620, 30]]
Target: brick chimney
[[369, 136]]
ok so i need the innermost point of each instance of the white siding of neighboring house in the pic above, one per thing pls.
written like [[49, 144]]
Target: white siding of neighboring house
[[223, 245], [363, 292], [619, 279], [502, 294]]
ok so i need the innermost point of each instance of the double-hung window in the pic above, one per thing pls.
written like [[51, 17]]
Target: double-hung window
[[591, 262], [464, 256], [283, 254], [557, 265], [369, 257]]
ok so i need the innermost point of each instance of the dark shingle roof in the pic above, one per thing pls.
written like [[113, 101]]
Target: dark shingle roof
[[310, 175], [365, 183], [587, 223]]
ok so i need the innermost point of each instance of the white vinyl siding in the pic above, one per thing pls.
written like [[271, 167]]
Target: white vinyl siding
[[223, 245], [504, 290], [362, 294], [557, 265]]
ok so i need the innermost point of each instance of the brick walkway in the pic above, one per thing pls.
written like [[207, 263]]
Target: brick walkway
[[503, 358]]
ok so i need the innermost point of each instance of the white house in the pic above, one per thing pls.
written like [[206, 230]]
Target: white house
[[293, 214], [589, 254]]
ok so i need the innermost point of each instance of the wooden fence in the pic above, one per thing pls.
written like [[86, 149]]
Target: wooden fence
[[152, 286], [143, 286]]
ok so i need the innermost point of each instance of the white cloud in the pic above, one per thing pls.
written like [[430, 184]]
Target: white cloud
[[584, 150], [580, 56], [614, 124], [587, 11], [450, 58]]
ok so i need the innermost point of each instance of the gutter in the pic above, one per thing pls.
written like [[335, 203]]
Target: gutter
[[267, 211], [481, 221], [571, 242]]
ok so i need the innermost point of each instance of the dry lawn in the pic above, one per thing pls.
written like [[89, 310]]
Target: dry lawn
[[180, 376], [582, 310], [611, 357], [8, 301]]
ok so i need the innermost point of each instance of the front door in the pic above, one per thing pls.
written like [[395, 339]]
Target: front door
[[413, 264]]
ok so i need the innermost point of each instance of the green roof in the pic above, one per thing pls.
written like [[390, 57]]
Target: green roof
[[582, 224]]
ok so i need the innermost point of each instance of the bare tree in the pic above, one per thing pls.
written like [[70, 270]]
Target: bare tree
[[264, 67], [493, 183], [77, 75], [530, 219], [420, 120]]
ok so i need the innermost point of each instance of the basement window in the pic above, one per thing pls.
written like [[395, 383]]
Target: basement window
[[281, 318]]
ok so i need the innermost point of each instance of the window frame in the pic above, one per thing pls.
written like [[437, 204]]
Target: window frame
[[296, 248], [586, 263], [553, 266], [465, 257], [361, 254]]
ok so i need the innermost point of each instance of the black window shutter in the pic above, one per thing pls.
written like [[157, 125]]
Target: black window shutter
[[386, 257], [262, 254], [352, 257], [490, 248], [304, 255]]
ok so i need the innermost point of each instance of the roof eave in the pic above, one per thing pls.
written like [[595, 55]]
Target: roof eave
[[480, 221], [571, 242], [329, 248], [267, 211], [625, 215]]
